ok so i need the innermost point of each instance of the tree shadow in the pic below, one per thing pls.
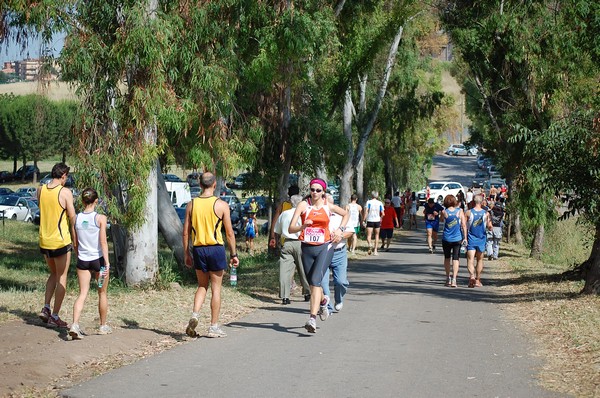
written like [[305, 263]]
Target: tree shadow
[[133, 324], [32, 319], [272, 326]]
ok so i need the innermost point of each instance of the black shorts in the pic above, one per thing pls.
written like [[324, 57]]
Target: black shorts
[[373, 224], [451, 249], [93, 266], [386, 233], [57, 252], [209, 258]]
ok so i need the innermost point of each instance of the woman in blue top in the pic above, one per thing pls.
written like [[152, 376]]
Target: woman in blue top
[[478, 220], [455, 234]]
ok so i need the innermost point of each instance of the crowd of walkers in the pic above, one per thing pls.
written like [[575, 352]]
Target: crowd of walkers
[[314, 235]]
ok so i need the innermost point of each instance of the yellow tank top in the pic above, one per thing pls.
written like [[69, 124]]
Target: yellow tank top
[[206, 226], [286, 206], [54, 226]]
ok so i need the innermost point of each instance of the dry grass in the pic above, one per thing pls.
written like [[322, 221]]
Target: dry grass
[[53, 90], [564, 324]]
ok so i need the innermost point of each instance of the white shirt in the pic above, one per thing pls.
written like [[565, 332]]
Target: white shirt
[[396, 201], [283, 223], [469, 196], [353, 219], [335, 220], [88, 237], [374, 208]]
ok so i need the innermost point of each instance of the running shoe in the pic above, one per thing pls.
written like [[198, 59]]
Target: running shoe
[[448, 281], [311, 325], [370, 250], [375, 253], [56, 323], [191, 327], [216, 331], [471, 282], [75, 332], [431, 250], [44, 314], [338, 306], [324, 310], [478, 283], [453, 284], [105, 329]]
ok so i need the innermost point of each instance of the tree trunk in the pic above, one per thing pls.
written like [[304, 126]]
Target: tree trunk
[[141, 258], [348, 170], [517, 225], [360, 185], [537, 247], [169, 223], [387, 172], [592, 271]]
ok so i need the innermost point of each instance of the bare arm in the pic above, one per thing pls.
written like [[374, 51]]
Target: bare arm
[[272, 240], [223, 208], [102, 222], [66, 200], [187, 230], [463, 224], [294, 228]]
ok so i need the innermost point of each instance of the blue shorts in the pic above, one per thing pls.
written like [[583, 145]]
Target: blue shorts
[[250, 233], [432, 224], [209, 258], [476, 244]]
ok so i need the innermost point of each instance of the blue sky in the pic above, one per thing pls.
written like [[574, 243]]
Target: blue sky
[[10, 51]]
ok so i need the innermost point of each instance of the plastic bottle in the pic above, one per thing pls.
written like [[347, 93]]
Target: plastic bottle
[[233, 276], [463, 247], [101, 277]]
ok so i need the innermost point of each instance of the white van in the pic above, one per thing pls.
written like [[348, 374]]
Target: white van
[[179, 192]]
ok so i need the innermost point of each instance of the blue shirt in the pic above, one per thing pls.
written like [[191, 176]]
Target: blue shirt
[[452, 231], [477, 224]]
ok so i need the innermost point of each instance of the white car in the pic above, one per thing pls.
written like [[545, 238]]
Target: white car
[[461, 150], [439, 190], [16, 208]]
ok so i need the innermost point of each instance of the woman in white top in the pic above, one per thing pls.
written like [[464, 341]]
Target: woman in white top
[[92, 254], [354, 210]]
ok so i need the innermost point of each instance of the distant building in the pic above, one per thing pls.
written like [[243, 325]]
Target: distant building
[[28, 69]]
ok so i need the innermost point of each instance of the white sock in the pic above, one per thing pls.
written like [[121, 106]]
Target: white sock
[[195, 315]]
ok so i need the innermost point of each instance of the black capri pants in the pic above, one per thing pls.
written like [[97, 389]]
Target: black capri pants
[[451, 249]]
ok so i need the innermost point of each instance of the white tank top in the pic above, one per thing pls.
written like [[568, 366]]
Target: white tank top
[[353, 219], [88, 237]]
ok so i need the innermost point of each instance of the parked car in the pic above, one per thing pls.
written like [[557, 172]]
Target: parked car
[[6, 176], [193, 179], [17, 208], [70, 183], [461, 150], [496, 182], [480, 178], [6, 191], [27, 191], [195, 191], [171, 178], [27, 172], [439, 190], [233, 202], [263, 204], [240, 181]]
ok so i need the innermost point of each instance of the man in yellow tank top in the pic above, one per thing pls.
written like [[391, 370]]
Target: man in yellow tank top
[[56, 213], [204, 218]]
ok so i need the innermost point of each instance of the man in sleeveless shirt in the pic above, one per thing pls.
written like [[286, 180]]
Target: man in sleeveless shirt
[[205, 216], [56, 213]]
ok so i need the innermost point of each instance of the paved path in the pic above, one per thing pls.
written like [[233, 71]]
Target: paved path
[[401, 333]]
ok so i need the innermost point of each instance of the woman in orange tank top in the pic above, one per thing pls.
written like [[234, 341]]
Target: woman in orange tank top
[[317, 244]]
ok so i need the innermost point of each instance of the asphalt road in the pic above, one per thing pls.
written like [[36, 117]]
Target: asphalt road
[[401, 333]]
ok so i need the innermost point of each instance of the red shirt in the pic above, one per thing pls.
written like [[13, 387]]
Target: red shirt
[[387, 221]]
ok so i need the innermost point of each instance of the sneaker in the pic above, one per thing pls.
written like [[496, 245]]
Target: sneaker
[[338, 306], [323, 310], [448, 281], [45, 314], [311, 325], [370, 251], [216, 331], [56, 323], [104, 329], [75, 332], [375, 253], [191, 327], [490, 258], [431, 250]]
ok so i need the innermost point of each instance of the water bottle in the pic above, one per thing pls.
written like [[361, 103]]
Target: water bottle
[[463, 247], [233, 276], [101, 277]]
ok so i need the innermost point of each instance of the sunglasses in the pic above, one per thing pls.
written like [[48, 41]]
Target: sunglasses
[[317, 190]]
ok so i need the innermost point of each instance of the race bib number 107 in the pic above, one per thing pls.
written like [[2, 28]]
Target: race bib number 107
[[314, 235]]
